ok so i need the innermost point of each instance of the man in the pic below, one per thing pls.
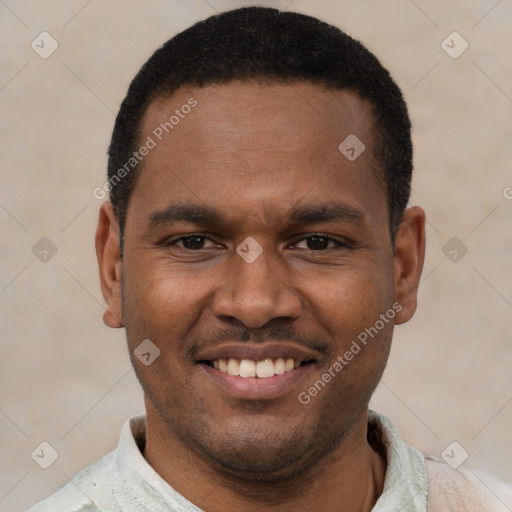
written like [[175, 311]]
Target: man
[[258, 251]]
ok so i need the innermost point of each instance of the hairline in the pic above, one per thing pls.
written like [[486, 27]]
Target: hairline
[[375, 132]]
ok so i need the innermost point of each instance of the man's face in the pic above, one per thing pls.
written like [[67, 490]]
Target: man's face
[[265, 159]]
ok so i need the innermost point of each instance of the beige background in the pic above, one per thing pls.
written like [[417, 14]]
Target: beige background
[[66, 378]]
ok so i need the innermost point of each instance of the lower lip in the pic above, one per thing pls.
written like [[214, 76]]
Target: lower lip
[[255, 388]]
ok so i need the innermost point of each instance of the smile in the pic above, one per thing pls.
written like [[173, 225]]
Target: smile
[[261, 369], [257, 371]]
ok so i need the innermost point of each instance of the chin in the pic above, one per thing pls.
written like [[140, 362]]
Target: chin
[[276, 456], [257, 460]]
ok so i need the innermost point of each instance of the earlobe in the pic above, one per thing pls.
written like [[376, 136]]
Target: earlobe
[[110, 265], [408, 261]]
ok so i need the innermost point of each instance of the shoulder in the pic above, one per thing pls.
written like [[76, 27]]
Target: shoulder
[[464, 489], [88, 491], [94, 488]]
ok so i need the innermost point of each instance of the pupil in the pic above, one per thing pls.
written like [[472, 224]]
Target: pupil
[[193, 242], [317, 243]]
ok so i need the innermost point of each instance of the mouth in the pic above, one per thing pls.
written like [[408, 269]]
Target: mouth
[[261, 369], [258, 371]]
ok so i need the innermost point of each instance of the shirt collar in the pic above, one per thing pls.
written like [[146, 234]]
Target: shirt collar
[[137, 486], [406, 481]]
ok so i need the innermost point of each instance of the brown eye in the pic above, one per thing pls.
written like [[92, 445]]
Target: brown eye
[[317, 243], [192, 242]]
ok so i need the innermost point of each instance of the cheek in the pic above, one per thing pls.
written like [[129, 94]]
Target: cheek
[[350, 309], [161, 300], [161, 306], [350, 300]]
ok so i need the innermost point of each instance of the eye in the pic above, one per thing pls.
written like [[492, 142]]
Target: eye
[[320, 243], [190, 242]]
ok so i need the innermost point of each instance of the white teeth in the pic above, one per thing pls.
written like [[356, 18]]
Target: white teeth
[[248, 368], [265, 368], [223, 365], [279, 366], [233, 366]]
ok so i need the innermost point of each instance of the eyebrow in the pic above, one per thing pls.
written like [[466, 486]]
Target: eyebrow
[[185, 212], [211, 217], [329, 212]]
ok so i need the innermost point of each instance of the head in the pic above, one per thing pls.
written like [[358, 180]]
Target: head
[[243, 231], [266, 45]]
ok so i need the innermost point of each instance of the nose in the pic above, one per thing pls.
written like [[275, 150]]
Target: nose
[[257, 292]]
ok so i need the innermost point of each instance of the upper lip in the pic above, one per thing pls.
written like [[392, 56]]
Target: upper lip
[[257, 352]]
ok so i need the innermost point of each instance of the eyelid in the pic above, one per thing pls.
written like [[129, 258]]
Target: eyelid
[[337, 241], [173, 240]]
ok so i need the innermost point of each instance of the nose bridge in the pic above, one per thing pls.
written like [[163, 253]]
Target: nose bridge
[[256, 288], [254, 271]]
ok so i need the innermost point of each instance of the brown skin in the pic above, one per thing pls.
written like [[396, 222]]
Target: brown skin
[[253, 152]]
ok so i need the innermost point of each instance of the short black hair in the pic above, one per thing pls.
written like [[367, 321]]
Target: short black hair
[[258, 43]]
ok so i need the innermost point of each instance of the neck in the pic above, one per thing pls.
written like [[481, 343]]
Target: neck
[[350, 478]]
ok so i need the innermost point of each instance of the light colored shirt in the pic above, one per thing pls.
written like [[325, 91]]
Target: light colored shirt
[[123, 481]]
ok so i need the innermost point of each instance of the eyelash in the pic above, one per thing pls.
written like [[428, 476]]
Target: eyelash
[[338, 243]]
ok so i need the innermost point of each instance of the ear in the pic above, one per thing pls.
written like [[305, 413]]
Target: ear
[[408, 261], [110, 264]]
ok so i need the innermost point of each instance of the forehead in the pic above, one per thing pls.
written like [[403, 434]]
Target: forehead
[[266, 145], [302, 112]]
